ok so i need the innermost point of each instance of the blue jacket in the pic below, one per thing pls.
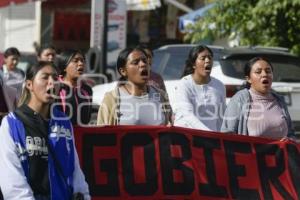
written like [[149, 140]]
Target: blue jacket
[[60, 140]]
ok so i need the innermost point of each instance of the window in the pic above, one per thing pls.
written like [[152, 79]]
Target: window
[[286, 68]]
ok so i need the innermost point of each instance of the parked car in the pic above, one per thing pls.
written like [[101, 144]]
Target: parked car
[[169, 61]]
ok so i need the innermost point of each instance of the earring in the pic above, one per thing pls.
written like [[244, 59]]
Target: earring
[[122, 72]]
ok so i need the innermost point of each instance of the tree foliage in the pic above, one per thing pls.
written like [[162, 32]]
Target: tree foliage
[[254, 22]]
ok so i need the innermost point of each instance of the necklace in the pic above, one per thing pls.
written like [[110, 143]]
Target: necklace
[[127, 90], [201, 80]]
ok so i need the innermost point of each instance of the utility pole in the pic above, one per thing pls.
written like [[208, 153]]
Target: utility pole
[[103, 63], [97, 54]]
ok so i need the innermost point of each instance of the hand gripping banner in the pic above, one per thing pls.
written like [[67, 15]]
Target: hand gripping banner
[[168, 163]]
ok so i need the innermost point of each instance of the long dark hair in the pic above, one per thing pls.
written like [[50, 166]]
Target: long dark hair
[[193, 54], [249, 65], [30, 74], [122, 59], [145, 47], [65, 58]]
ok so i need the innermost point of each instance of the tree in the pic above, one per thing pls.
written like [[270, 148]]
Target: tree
[[254, 22]]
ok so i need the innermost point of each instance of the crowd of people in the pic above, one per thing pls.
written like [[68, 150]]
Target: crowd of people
[[38, 155], [39, 106]]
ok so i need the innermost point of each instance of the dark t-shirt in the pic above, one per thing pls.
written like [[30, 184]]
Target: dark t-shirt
[[3, 105], [77, 103]]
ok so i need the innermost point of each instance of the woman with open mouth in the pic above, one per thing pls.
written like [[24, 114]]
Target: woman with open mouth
[[257, 110], [200, 98], [75, 94], [37, 150], [133, 101]]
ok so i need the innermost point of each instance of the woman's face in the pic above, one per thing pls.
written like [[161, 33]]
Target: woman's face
[[203, 64], [137, 69], [76, 67], [11, 61], [261, 77], [42, 88], [48, 55]]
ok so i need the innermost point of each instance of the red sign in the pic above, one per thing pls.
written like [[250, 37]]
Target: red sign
[[71, 26], [11, 2], [143, 162], [1, 59]]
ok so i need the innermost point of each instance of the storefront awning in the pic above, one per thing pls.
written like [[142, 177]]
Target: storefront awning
[[192, 17], [142, 4]]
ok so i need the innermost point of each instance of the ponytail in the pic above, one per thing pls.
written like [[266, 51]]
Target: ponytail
[[25, 96]]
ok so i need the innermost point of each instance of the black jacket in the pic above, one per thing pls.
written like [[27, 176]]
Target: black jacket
[[76, 103], [36, 142]]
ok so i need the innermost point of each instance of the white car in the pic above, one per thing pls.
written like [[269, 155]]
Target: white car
[[169, 61]]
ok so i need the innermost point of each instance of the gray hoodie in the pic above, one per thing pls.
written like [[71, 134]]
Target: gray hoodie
[[237, 112]]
